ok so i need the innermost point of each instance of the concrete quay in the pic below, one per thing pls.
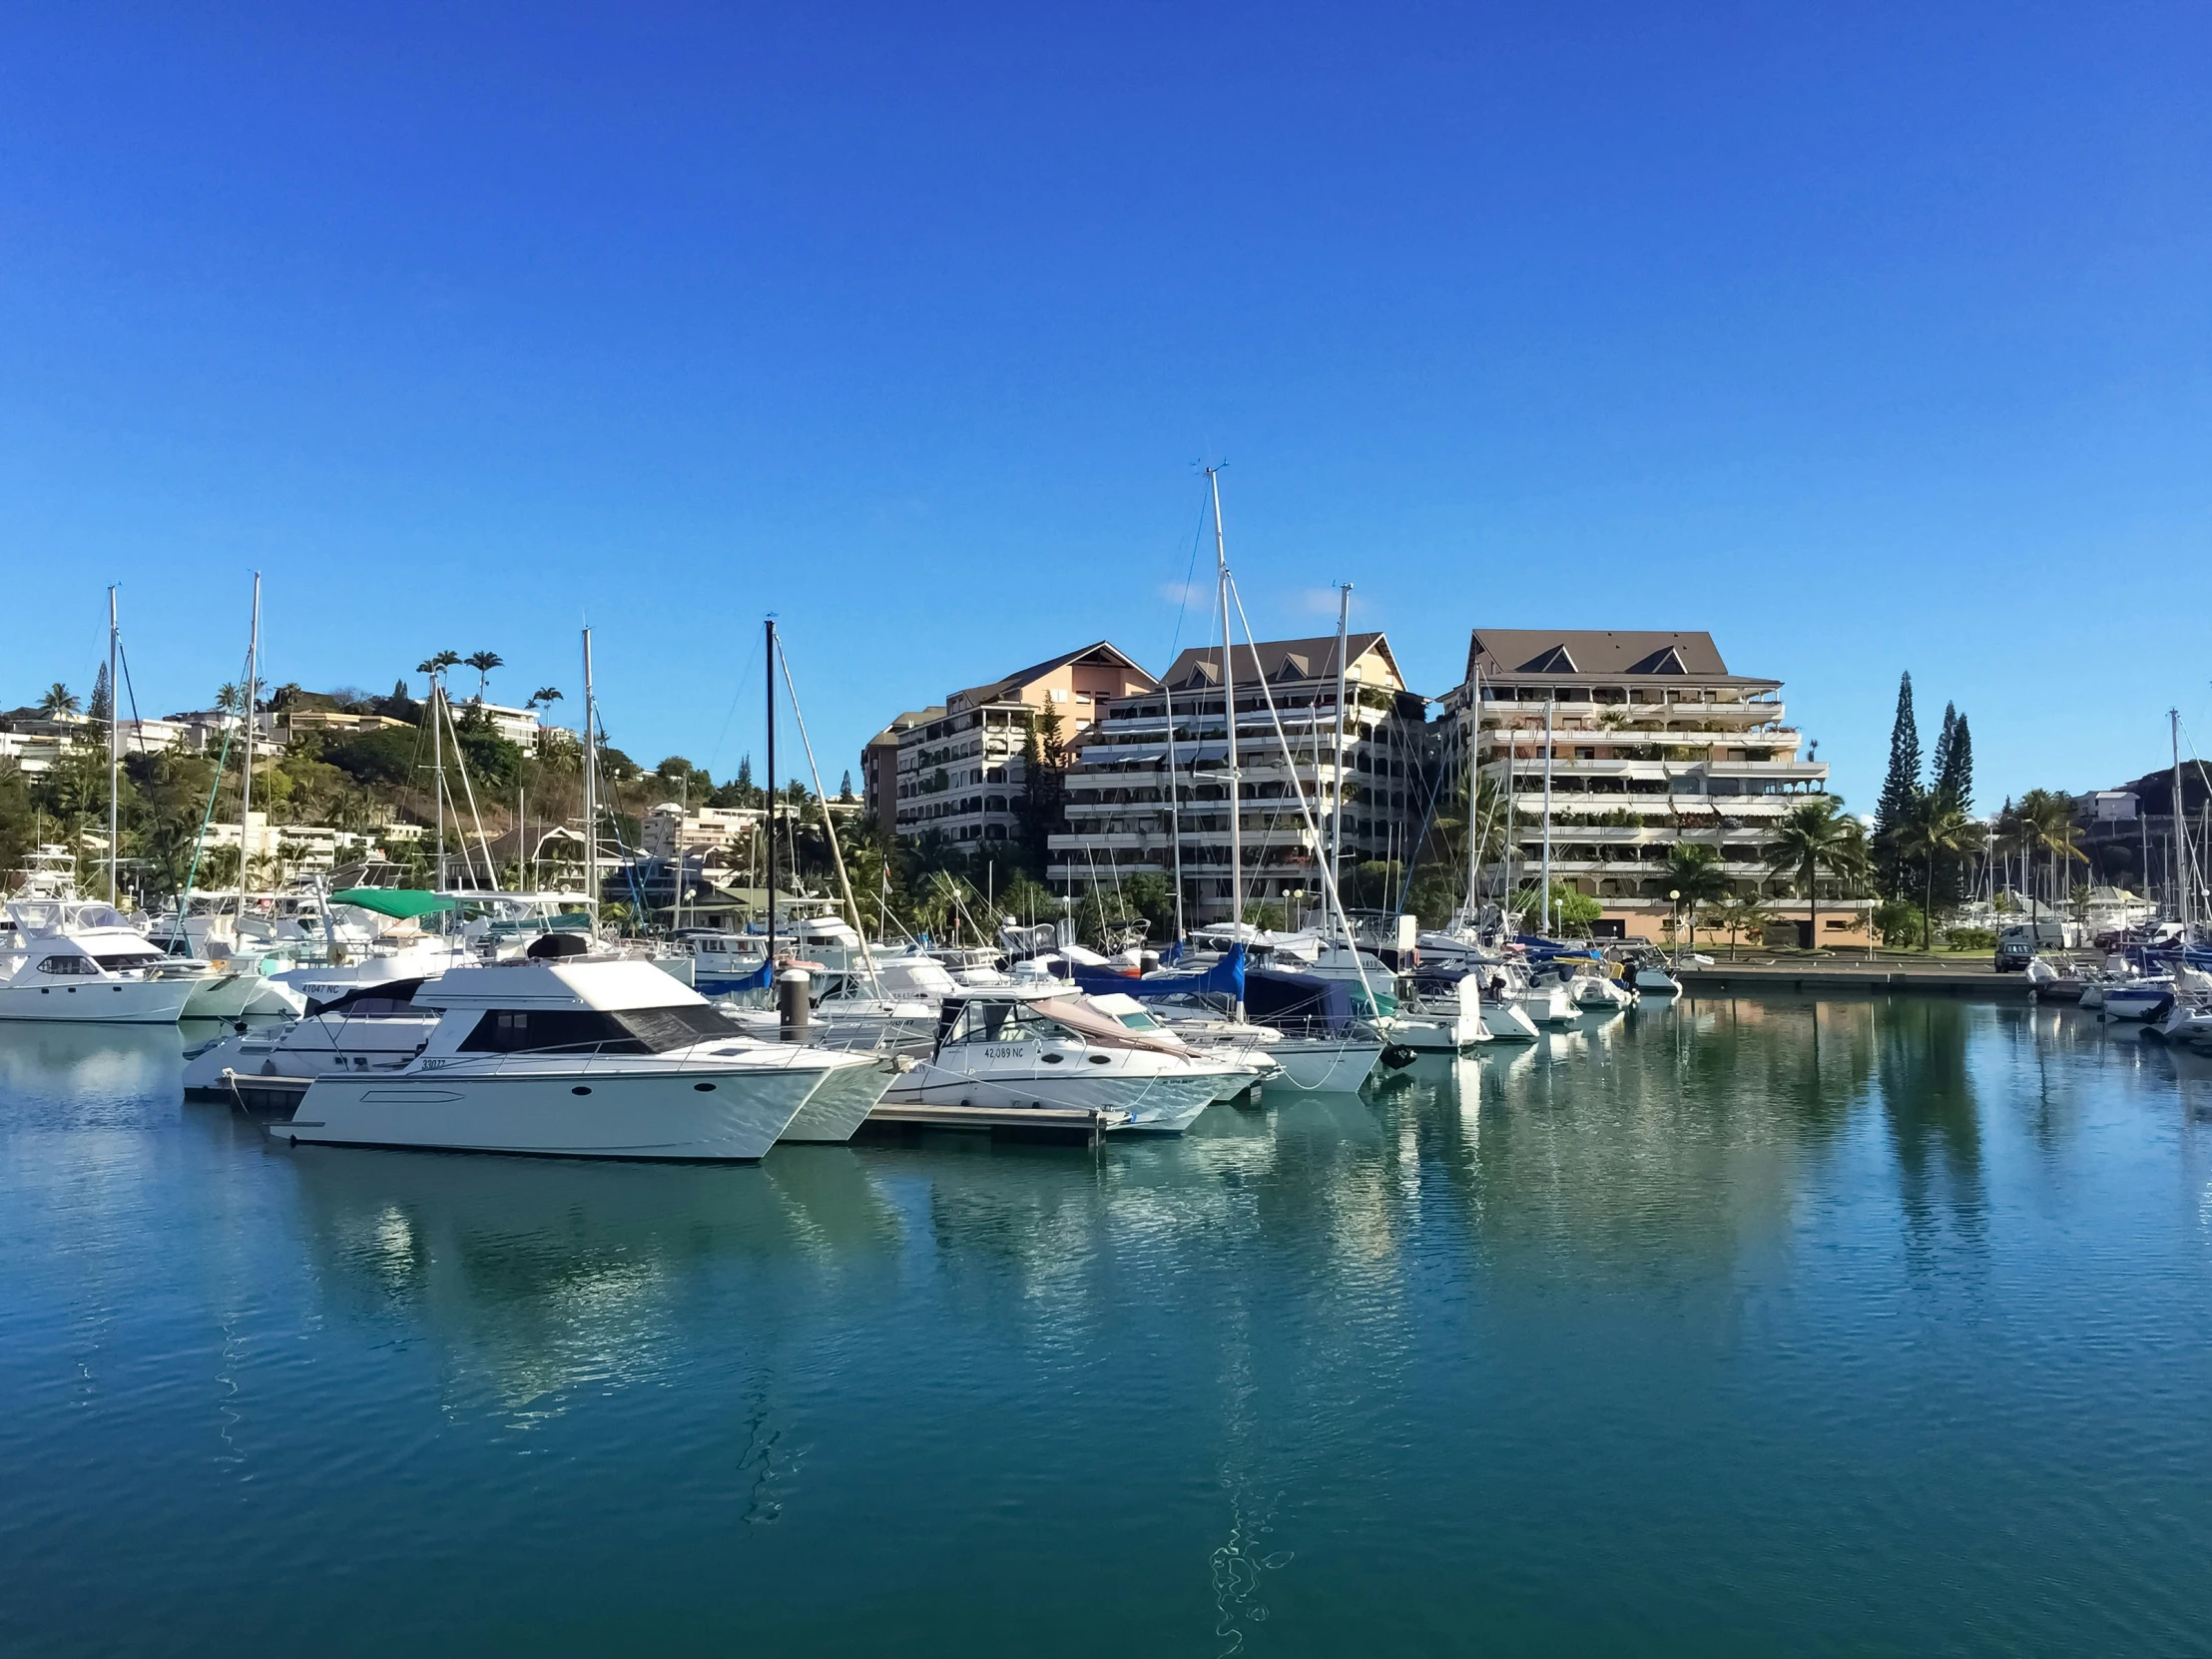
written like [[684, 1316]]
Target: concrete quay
[[1882, 975]]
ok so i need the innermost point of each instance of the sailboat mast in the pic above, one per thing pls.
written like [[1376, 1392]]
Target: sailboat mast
[[1229, 709], [2181, 834], [591, 791], [115, 753], [246, 777], [1175, 814], [437, 783], [1547, 818], [767, 799], [1474, 737], [1337, 817]]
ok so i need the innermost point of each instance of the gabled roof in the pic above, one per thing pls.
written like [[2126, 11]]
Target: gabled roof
[[906, 723], [1597, 654], [1198, 668], [1100, 654]]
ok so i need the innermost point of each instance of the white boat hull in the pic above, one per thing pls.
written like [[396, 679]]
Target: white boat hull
[[1151, 1102], [840, 1105], [1507, 1024], [1325, 1063], [1657, 982], [635, 1109], [1546, 1005], [101, 1001], [236, 996], [1438, 1033], [2137, 1001]]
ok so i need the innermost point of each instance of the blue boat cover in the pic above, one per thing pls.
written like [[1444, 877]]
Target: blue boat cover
[[1225, 978], [1303, 1003]]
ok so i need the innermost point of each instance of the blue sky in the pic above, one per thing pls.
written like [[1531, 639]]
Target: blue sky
[[1869, 337]]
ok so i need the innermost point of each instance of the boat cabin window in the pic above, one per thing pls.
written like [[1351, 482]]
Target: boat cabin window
[[1001, 1022], [592, 1031], [127, 960], [64, 967]]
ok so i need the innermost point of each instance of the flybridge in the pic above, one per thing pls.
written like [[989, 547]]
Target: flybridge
[[611, 987]]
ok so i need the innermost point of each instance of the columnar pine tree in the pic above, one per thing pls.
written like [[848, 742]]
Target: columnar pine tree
[[102, 696], [1900, 791], [1952, 789], [1955, 771]]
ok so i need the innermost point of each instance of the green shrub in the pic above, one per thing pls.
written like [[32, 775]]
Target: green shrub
[[1970, 938]]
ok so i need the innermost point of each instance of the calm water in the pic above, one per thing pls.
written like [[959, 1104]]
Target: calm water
[[1743, 1327]]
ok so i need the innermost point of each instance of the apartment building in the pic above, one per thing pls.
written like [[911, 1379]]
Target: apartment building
[[959, 771], [1653, 743], [716, 834], [1119, 817], [879, 762]]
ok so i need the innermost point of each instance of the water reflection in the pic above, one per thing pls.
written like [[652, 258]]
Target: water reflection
[[84, 1064], [544, 1276]]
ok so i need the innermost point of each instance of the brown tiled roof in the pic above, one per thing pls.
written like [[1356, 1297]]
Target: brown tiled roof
[[1282, 661], [1593, 653]]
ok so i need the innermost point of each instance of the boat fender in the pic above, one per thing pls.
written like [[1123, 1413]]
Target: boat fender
[[1398, 1056]]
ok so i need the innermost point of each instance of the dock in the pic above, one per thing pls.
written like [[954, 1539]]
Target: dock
[[1085, 1126], [1877, 977]]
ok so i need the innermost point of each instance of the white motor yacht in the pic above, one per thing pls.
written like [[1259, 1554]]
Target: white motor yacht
[[73, 959], [580, 1056], [1044, 1045], [372, 1029]]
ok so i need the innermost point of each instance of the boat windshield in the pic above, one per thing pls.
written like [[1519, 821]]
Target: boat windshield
[[594, 1032], [124, 961]]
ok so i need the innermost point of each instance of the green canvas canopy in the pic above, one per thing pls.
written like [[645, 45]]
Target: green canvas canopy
[[393, 901]]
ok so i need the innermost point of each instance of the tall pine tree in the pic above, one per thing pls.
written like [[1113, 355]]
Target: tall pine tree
[[1901, 791], [1954, 768], [102, 696]]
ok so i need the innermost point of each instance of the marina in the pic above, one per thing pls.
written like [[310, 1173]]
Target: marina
[[1336, 1373]]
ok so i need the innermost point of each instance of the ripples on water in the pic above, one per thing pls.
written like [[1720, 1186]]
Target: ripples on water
[[1742, 1327]]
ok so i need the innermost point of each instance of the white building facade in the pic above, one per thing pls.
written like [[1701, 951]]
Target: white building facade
[[1120, 820], [1652, 743]]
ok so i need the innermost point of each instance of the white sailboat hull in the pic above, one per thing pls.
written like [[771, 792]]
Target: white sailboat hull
[[1325, 1063], [1507, 1024]]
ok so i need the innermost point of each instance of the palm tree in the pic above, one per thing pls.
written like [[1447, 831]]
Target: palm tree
[[1814, 835], [437, 665], [2048, 817], [1694, 873], [545, 696], [483, 662], [1936, 830], [1741, 913], [58, 701], [228, 696]]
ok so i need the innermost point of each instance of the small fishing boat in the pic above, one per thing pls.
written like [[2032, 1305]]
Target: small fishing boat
[[2148, 998], [1012, 1047]]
